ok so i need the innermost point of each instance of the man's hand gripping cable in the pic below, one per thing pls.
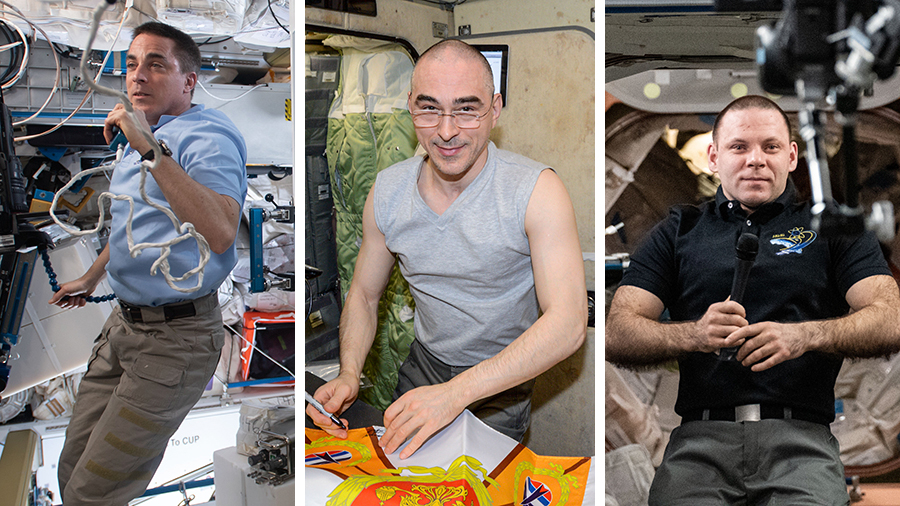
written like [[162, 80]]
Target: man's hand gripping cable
[[186, 229]]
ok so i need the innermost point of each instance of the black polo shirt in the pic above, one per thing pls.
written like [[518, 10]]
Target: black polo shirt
[[688, 262]]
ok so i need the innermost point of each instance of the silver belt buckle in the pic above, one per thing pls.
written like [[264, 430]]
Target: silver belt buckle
[[747, 413]]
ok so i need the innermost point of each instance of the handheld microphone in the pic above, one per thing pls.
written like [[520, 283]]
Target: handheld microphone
[[745, 254]]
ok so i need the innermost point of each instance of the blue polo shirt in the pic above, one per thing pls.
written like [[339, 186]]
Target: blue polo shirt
[[688, 262], [212, 151]]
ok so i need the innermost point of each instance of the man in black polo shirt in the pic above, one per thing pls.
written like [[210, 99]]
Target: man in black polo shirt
[[754, 430]]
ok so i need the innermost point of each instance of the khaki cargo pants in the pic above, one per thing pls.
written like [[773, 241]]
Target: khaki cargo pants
[[142, 380]]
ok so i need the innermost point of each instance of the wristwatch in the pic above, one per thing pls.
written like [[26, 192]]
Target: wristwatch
[[148, 156]]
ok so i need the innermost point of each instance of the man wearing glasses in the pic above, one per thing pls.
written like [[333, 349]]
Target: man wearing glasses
[[487, 240]]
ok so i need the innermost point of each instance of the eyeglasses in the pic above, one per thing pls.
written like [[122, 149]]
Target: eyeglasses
[[462, 119]]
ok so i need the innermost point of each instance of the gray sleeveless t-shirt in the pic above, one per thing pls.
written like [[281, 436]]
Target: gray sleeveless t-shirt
[[469, 269]]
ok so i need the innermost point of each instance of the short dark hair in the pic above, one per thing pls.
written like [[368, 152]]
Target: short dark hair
[[186, 50], [750, 102], [461, 48]]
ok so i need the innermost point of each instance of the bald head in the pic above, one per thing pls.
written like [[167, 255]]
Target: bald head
[[450, 50]]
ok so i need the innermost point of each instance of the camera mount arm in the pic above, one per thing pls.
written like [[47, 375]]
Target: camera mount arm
[[798, 57]]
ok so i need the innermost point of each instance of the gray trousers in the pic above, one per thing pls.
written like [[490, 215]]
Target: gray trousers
[[769, 462], [508, 412], [142, 380]]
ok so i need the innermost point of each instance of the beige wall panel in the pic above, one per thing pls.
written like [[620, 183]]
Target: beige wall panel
[[482, 16], [550, 115]]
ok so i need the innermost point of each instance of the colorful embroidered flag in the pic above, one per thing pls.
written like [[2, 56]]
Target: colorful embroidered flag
[[466, 464]]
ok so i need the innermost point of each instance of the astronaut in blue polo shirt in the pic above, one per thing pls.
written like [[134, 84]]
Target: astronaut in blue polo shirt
[[754, 430], [160, 347]]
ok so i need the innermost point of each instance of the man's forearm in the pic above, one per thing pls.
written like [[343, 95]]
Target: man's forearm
[[98, 269], [552, 338], [359, 321], [636, 337], [871, 331], [635, 341]]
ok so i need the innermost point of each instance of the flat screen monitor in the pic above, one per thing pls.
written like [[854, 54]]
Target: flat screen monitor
[[498, 57]]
